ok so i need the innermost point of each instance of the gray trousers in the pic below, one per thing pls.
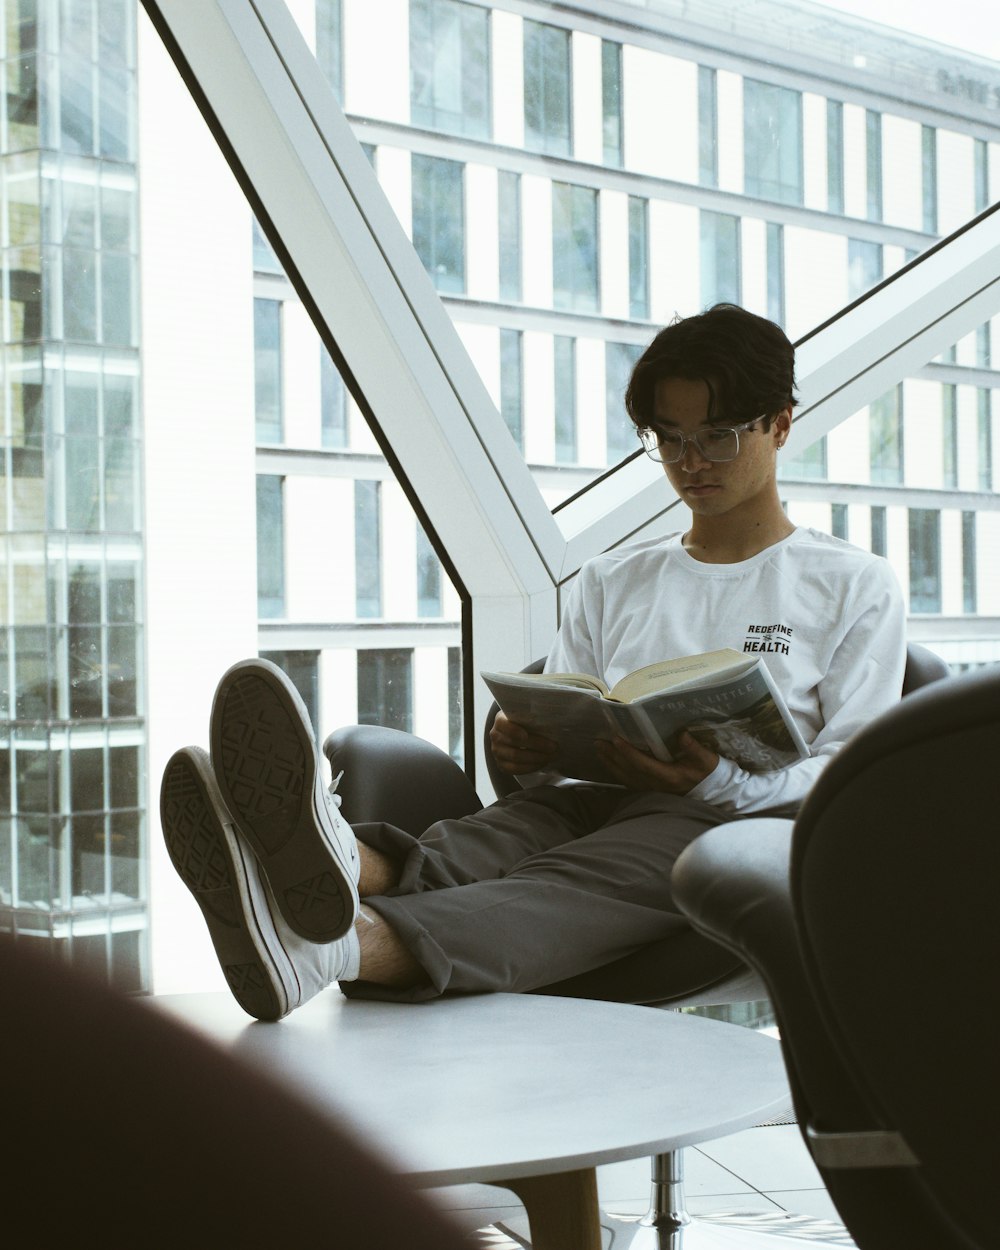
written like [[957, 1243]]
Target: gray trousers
[[547, 883]]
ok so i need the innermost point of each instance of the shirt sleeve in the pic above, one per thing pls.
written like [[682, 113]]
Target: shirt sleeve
[[863, 679], [573, 649]]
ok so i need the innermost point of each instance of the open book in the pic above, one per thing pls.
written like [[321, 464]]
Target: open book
[[725, 700]]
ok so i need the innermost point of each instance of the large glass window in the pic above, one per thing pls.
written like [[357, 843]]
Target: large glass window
[[772, 142], [439, 220], [638, 258], [575, 278], [267, 369], [509, 259], [708, 127], [385, 688], [835, 156], [928, 178], [450, 66], [886, 437], [429, 602], [512, 384], [969, 584], [332, 402], [547, 89], [611, 101], [925, 560], [270, 546], [564, 363], [720, 258], [368, 548], [984, 432], [619, 360], [873, 164]]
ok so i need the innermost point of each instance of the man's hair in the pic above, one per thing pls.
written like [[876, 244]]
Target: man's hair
[[746, 361]]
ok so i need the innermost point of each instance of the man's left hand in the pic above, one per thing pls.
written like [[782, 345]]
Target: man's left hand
[[638, 771]]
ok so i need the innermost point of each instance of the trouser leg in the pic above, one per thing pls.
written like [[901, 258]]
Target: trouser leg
[[562, 909]]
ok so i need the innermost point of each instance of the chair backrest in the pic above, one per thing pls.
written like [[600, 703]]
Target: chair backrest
[[922, 667], [894, 878]]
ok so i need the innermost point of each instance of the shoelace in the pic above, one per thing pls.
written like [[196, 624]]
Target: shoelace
[[335, 798]]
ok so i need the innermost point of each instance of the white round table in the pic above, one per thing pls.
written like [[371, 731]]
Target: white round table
[[528, 1091]]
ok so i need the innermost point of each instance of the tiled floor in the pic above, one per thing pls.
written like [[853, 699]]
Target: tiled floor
[[763, 1171]]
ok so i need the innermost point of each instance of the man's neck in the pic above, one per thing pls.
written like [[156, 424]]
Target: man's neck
[[716, 540]]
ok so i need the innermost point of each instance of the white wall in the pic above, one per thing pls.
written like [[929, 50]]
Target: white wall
[[201, 590]]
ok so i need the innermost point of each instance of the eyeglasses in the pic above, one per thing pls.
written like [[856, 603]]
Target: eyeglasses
[[715, 442]]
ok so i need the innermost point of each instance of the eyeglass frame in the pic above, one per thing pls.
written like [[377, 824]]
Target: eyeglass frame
[[654, 453]]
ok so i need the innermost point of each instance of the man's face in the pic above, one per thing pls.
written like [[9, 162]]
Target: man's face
[[714, 488]]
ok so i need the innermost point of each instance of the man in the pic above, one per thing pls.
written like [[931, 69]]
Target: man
[[560, 877]]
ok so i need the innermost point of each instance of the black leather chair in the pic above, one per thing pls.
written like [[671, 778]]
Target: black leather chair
[[875, 925]]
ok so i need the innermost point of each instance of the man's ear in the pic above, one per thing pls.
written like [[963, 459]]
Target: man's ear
[[781, 425]]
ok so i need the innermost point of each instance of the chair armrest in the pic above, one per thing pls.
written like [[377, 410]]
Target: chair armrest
[[733, 884], [396, 778]]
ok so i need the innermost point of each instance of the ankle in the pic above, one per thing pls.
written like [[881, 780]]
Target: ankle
[[379, 873]]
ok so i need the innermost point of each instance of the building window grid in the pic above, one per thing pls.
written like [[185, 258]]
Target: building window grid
[[73, 452]]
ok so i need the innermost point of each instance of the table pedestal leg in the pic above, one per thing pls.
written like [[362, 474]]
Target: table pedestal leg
[[562, 1209], [665, 1226]]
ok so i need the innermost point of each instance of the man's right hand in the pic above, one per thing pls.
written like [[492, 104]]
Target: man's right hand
[[516, 749]]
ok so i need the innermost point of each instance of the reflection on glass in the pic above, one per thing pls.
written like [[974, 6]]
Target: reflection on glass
[[385, 688], [449, 66], [547, 89], [575, 269], [439, 220]]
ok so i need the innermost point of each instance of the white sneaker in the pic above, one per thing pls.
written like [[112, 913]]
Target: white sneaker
[[269, 771], [270, 970]]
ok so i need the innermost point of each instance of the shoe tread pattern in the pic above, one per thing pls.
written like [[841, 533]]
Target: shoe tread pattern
[[202, 860], [266, 772], [263, 762]]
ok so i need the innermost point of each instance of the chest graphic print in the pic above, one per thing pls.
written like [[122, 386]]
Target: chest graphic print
[[770, 639]]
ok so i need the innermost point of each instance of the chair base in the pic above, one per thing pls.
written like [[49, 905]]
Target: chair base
[[738, 1230]]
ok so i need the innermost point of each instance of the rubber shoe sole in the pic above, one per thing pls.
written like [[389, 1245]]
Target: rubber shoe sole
[[268, 770], [222, 876]]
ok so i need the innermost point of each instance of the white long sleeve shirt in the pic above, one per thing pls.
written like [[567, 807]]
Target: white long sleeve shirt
[[827, 617]]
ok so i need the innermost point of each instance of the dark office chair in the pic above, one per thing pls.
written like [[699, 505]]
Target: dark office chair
[[403, 780], [124, 1122], [875, 926]]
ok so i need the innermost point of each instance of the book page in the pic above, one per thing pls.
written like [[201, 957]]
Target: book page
[[681, 674]]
